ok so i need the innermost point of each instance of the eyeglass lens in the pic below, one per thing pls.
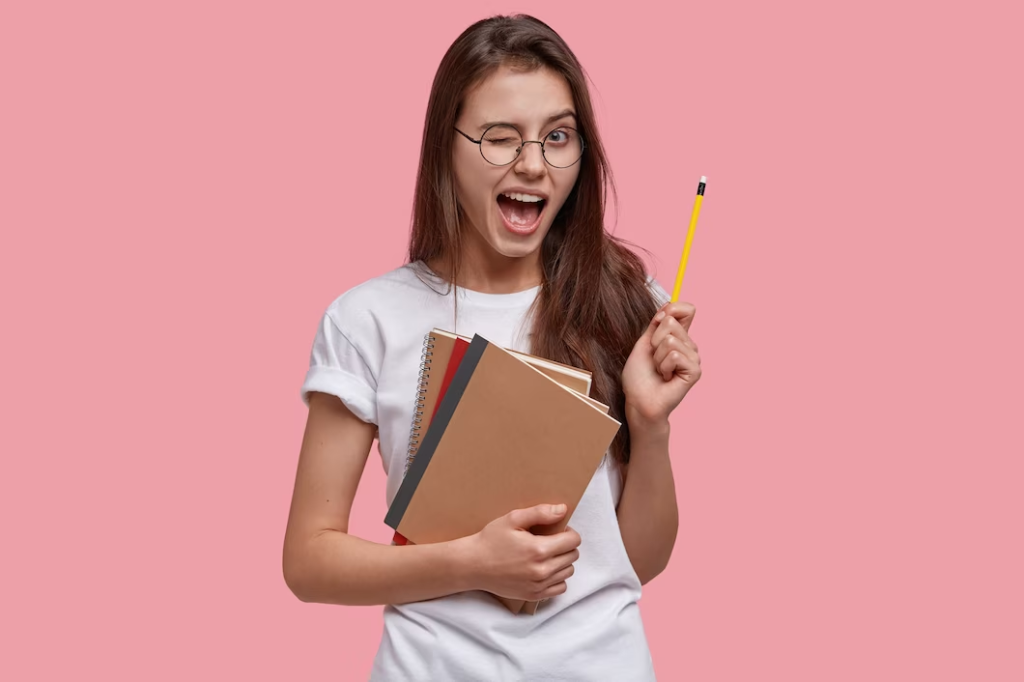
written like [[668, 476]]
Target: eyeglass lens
[[501, 144]]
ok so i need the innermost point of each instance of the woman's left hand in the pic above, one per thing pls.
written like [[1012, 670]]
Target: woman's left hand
[[663, 365]]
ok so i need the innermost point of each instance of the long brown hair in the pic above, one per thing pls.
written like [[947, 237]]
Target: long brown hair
[[594, 302]]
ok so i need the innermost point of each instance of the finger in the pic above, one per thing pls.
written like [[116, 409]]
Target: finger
[[544, 572], [558, 563], [677, 363], [652, 327], [682, 311], [559, 543], [553, 591], [537, 515], [672, 344], [670, 326], [560, 576]]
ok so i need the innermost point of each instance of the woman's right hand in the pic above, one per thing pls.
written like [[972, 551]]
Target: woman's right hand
[[506, 559]]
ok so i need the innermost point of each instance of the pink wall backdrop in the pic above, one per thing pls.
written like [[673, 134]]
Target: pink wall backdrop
[[185, 186]]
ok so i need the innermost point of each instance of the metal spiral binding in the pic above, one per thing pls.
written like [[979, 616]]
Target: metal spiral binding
[[421, 394]]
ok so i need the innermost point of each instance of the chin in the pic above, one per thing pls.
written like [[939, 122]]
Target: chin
[[513, 246]]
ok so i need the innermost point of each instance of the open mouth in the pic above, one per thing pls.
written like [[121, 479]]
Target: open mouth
[[521, 212]]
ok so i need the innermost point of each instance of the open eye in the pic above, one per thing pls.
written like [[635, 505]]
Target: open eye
[[558, 136]]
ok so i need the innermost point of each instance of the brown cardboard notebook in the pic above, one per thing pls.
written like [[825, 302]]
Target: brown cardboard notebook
[[505, 436], [442, 355], [437, 349]]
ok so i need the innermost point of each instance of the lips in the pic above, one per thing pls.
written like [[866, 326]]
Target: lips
[[520, 217]]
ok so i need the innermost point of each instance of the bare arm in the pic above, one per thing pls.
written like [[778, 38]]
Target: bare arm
[[648, 512], [663, 366], [322, 562]]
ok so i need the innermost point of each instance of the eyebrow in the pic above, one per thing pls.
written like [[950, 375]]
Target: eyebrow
[[551, 119]]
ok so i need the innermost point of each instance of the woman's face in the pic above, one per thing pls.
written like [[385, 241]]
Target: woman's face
[[537, 103]]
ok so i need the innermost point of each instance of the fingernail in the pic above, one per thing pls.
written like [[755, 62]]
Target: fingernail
[[659, 316], [558, 508]]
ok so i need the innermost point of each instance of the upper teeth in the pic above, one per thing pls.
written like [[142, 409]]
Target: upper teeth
[[523, 197]]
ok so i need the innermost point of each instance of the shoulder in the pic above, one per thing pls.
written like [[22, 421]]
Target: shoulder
[[366, 301]]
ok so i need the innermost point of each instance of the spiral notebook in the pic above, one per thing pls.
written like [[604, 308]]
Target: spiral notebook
[[506, 435], [440, 348], [442, 353]]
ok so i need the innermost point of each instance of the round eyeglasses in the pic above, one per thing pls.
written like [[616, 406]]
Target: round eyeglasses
[[501, 144]]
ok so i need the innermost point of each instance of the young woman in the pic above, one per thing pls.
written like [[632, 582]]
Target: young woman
[[508, 241]]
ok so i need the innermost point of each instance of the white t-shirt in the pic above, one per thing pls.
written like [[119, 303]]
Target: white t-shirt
[[367, 351]]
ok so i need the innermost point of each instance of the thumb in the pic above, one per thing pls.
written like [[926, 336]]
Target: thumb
[[652, 326], [538, 515]]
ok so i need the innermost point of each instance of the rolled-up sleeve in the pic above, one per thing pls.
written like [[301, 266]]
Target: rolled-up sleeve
[[338, 367]]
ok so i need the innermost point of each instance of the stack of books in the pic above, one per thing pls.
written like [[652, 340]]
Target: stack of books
[[501, 430]]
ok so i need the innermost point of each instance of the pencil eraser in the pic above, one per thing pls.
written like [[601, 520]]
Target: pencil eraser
[[704, 178]]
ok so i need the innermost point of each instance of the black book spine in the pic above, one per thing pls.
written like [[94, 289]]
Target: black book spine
[[445, 411]]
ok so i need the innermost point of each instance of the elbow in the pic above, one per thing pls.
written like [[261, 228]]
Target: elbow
[[655, 565], [650, 573], [292, 564], [652, 570], [297, 588], [294, 581]]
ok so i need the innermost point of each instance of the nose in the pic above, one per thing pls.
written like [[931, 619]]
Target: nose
[[531, 160]]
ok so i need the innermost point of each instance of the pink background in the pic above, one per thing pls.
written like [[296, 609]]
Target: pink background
[[185, 187]]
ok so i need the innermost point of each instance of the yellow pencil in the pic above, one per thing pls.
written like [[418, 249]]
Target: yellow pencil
[[689, 237]]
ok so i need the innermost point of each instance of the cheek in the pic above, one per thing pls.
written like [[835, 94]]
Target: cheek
[[475, 189], [473, 194], [566, 189]]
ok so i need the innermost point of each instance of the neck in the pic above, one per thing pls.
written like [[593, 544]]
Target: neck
[[508, 277], [484, 270]]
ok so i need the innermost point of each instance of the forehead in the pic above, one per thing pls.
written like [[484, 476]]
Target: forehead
[[526, 98]]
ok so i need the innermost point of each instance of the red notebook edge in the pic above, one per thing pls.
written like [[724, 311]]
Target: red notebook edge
[[458, 352]]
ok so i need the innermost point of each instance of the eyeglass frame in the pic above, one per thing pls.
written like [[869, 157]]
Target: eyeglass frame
[[479, 143]]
